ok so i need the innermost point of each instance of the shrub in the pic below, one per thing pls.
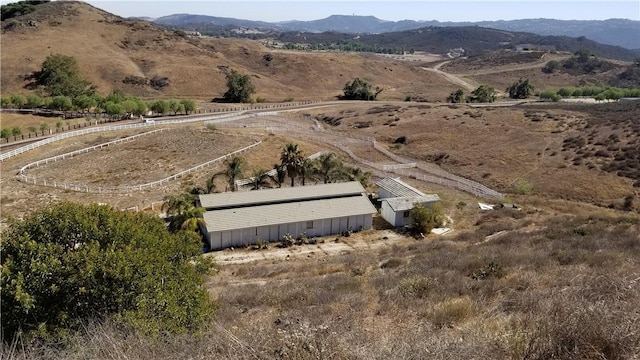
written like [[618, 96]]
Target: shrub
[[425, 219], [68, 263], [522, 187]]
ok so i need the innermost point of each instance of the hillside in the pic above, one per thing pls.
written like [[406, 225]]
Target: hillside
[[473, 39], [616, 32], [109, 49]]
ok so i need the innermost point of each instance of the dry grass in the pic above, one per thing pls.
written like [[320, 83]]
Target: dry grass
[[568, 290], [108, 49]]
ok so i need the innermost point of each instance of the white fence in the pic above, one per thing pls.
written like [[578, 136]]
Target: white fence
[[84, 151], [129, 188], [433, 175]]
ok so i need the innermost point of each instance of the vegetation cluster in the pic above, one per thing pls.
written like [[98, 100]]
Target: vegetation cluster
[[66, 264]]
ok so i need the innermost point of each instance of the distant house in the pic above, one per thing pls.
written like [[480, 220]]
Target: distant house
[[397, 199], [235, 219]]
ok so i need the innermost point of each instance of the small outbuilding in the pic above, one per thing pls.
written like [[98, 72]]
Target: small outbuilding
[[235, 219], [397, 199]]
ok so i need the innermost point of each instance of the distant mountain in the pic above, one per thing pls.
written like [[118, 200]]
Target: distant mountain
[[473, 39], [618, 32]]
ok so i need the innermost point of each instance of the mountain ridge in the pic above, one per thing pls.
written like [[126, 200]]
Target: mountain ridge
[[618, 32]]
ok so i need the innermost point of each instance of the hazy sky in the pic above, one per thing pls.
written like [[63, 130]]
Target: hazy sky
[[452, 10]]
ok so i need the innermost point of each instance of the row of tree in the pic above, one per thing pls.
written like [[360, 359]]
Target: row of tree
[[116, 103], [520, 89], [596, 92], [482, 94]]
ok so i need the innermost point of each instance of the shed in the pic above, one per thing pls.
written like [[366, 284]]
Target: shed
[[397, 211], [245, 218], [397, 199]]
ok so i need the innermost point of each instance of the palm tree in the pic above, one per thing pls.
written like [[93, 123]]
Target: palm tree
[[190, 219], [328, 167], [210, 186], [182, 212], [281, 174], [307, 170], [233, 170], [259, 178], [356, 174], [291, 157], [176, 204]]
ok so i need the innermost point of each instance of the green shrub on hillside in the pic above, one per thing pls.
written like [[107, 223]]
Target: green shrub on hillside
[[68, 263]]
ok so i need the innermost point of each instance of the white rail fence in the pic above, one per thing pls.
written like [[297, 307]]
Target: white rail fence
[[127, 188], [207, 119], [433, 175], [84, 150]]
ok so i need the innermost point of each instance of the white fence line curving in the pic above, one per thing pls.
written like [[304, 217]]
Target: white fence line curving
[[130, 188], [84, 151]]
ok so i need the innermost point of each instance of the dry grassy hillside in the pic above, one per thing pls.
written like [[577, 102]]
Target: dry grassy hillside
[[109, 49]]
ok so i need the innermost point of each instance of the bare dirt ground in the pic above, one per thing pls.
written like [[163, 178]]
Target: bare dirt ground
[[326, 246], [157, 155]]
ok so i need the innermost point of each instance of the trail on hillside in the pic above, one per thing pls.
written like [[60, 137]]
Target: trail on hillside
[[452, 78]]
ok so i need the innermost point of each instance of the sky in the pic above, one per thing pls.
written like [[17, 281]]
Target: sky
[[451, 10]]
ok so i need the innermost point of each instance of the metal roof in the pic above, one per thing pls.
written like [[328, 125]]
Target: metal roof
[[399, 188], [280, 195], [406, 203], [275, 214]]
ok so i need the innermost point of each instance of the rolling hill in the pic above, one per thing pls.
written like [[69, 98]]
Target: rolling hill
[[110, 49], [617, 32]]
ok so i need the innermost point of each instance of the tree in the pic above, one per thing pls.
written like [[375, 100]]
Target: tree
[[520, 89], [233, 170], [550, 95], [16, 131], [68, 263], [483, 94], [61, 102], [114, 109], [189, 105], [456, 97], [356, 174], [307, 170], [425, 219], [5, 133], [329, 167], [44, 127], [291, 158], [551, 67], [259, 178], [60, 75], [84, 102], [239, 87], [360, 90], [5, 102], [281, 174], [17, 100], [160, 107], [176, 106]]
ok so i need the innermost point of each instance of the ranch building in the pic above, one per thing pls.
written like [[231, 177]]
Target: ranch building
[[235, 219], [397, 198]]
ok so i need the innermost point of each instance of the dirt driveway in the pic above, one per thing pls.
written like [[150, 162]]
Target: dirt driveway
[[327, 246]]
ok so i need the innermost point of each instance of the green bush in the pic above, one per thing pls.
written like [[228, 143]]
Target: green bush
[[69, 263], [424, 219]]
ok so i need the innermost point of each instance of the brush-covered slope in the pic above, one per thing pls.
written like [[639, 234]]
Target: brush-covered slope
[[110, 49]]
